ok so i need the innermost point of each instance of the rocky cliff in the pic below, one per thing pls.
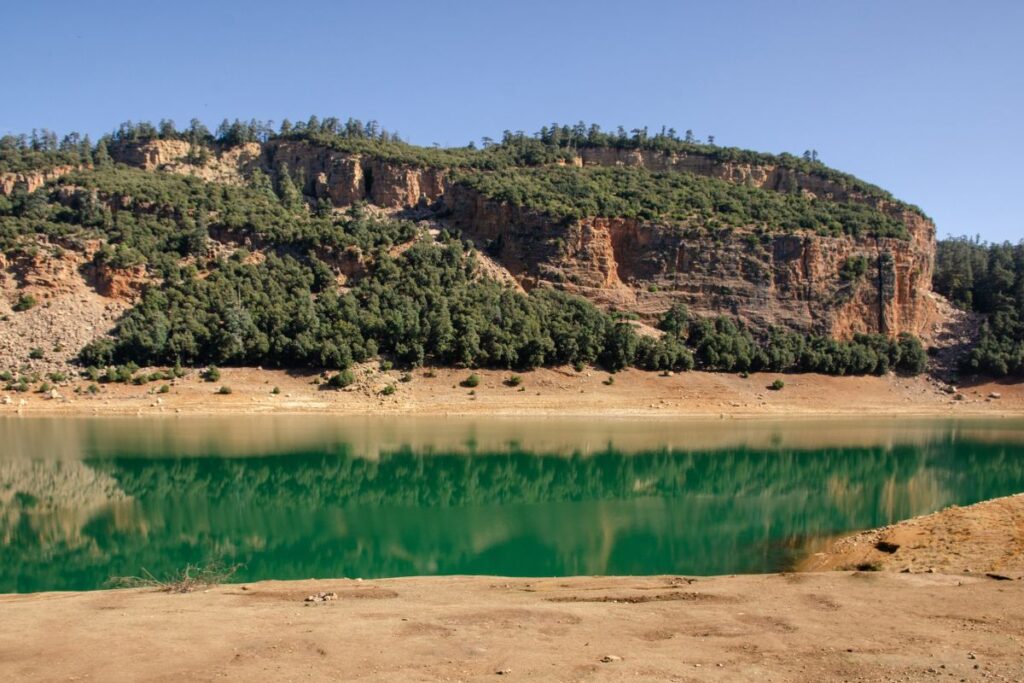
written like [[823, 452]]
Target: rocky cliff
[[231, 165], [30, 181], [345, 178], [792, 280], [795, 280]]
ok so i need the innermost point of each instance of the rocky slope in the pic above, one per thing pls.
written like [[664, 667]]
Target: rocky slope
[[795, 280], [75, 303]]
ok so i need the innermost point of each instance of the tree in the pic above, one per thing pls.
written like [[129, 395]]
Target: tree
[[290, 195], [101, 157]]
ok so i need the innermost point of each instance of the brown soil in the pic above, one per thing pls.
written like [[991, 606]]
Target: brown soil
[[559, 391], [835, 626], [986, 538]]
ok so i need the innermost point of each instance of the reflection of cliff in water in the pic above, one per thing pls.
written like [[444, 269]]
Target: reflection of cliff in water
[[334, 514], [52, 499]]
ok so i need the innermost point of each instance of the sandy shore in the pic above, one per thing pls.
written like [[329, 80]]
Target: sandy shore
[[835, 626], [986, 538], [559, 391]]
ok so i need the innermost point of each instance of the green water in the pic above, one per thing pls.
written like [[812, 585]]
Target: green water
[[82, 500]]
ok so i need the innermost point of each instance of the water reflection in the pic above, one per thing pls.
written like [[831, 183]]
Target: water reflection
[[336, 498]]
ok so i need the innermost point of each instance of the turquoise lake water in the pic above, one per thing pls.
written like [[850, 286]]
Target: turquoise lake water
[[84, 500]]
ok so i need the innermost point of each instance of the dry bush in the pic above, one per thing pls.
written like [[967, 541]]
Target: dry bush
[[192, 578]]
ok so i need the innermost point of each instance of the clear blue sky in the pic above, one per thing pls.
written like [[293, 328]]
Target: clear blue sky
[[923, 97]]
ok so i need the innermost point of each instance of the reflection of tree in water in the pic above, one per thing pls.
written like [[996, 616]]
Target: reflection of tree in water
[[317, 514]]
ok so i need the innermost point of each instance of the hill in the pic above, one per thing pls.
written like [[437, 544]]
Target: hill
[[325, 244]]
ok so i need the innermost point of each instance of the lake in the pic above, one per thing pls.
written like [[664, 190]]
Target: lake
[[86, 499]]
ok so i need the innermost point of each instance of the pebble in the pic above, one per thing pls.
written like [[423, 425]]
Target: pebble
[[607, 659]]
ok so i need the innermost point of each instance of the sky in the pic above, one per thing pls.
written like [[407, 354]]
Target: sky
[[921, 97]]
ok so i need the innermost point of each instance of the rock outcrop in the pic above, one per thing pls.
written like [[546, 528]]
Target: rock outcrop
[[30, 181], [346, 178], [231, 165]]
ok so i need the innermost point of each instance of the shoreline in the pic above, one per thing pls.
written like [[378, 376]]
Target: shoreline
[[552, 392]]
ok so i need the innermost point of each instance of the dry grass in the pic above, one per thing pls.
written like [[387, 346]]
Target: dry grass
[[190, 579]]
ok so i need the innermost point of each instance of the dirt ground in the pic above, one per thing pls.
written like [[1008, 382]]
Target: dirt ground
[[835, 626], [557, 391], [986, 538]]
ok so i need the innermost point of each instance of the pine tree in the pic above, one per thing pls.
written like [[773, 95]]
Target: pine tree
[[101, 157], [290, 195]]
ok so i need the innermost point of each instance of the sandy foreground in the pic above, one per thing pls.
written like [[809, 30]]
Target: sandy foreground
[[835, 626], [544, 392]]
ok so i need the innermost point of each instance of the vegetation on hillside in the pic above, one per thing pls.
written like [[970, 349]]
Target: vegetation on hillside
[[553, 143], [249, 275], [678, 198], [21, 153], [988, 279]]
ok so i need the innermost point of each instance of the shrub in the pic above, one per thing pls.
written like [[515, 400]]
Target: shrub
[[275, 391], [341, 380], [777, 385], [854, 268], [211, 374], [913, 359], [513, 381], [675, 319], [608, 382], [98, 353], [165, 389], [36, 354], [471, 381], [24, 303], [224, 390], [388, 390]]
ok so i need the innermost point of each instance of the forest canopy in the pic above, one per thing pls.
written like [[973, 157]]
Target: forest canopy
[[987, 279]]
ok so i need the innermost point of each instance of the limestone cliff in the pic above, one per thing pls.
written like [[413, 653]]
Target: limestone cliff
[[230, 165], [791, 280], [346, 178], [30, 181]]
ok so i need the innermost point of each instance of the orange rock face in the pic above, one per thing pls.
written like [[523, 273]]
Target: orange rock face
[[791, 280], [31, 181]]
